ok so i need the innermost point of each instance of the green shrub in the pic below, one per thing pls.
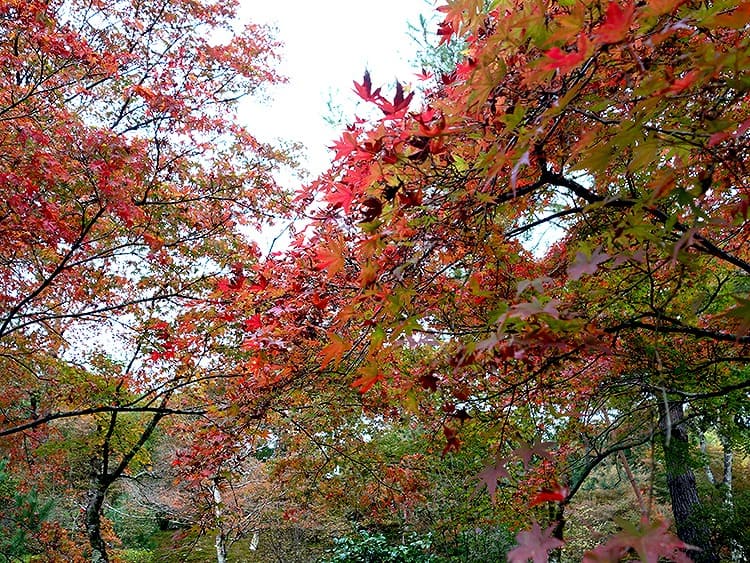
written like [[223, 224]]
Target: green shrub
[[134, 555], [375, 548], [476, 546]]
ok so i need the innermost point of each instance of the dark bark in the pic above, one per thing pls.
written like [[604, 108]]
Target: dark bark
[[557, 515], [102, 476], [94, 504], [690, 520]]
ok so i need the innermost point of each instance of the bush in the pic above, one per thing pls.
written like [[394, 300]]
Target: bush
[[477, 546], [375, 548], [133, 556]]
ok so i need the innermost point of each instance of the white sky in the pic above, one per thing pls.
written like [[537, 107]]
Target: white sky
[[328, 45]]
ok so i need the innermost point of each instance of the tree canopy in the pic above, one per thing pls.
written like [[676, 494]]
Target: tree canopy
[[525, 270], [128, 188], [560, 233]]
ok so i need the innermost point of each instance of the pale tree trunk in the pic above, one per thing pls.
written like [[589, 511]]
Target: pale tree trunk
[[728, 459], [738, 554], [707, 465], [692, 528], [220, 541], [725, 485], [726, 480]]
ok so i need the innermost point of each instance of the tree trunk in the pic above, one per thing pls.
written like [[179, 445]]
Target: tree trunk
[[737, 553], [726, 480], [706, 460], [692, 527], [220, 542], [94, 504], [557, 515], [221, 548], [102, 478]]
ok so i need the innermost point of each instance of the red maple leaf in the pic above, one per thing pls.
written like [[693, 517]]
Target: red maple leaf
[[260, 284], [566, 61], [399, 104], [448, 78], [320, 301], [445, 31], [424, 75], [342, 196], [431, 123], [554, 494], [454, 14], [651, 540], [345, 145], [429, 381], [364, 90], [534, 544], [683, 83], [616, 23], [489, 476], [253, 323]]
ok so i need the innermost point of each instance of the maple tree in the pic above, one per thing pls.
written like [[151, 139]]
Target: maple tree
[[609, 136], [128, 190], [613, 136], [348, 470]]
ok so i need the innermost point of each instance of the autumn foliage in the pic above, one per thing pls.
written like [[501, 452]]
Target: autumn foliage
[[540, 256], [559, 234], [127, 191]]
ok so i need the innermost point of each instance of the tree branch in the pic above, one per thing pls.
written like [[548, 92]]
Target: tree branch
[[164, 411]]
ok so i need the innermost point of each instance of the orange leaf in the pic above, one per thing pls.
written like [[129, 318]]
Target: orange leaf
[[655, 8], [736, 19], [368, 275], [153, 242], [330, 258], [334, 351], [370, 375]]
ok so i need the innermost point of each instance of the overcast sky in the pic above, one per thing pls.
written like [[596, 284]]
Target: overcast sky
[[328, 45]]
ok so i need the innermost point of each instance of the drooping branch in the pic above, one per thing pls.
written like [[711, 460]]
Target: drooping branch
[[160, 410], [701, 242], [714, 335]]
